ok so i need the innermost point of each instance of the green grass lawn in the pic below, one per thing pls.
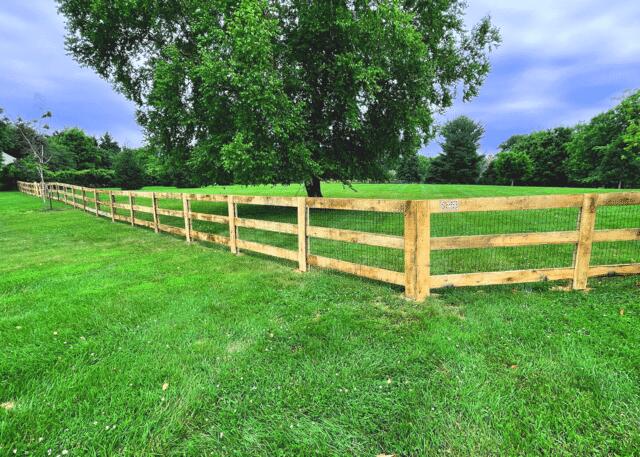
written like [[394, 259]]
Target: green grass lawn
[[116, 340]]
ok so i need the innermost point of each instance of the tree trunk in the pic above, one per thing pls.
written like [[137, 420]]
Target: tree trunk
[[313, 187], [512, 182], [619, 184]]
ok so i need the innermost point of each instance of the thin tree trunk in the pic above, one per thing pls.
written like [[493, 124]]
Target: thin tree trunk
[[512, 182], [619, 184], [313, 187]]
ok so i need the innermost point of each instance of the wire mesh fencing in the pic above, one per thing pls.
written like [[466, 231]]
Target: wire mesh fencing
[[417, 244]]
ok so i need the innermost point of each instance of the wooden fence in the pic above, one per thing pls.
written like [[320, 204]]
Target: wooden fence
[[416, 245]]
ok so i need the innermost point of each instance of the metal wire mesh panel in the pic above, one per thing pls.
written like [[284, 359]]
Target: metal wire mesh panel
[[474, 259], [361, 221], [617, 217], [501, 259], [615, 252], [502, 222], [268, 213]]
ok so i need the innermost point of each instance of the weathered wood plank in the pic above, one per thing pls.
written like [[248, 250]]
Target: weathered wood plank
[[619, 198], [613, 270], [203, 236], [378, 274], [218, 219], [269, 250], [270, 201], [500, 277], [582, 255], [506, 240], [505, 203], [170, 212], [617, 235], [357, 204], [171, 229], [280, 227], [354, 236]]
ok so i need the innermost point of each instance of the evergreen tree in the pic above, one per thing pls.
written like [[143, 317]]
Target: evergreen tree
[[409, 168], [459, 162], [129, 174]]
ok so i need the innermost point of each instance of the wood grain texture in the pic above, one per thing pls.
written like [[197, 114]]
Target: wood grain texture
[[203, 236], [500, 277], [357, 204], [279, 227], [303, 239], [423, 250], [410, 248], [586, 230], [379, 274], [233, 231], [267, 249], [505, 203], [210, 218], [354, 236], [507, 240]]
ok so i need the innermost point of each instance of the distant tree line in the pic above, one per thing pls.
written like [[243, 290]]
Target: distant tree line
[[75, 157], [604, 152]]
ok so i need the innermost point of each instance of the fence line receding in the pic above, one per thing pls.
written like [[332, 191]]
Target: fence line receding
[[419, 244]]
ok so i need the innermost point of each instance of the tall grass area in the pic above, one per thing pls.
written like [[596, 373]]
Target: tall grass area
[[118, 341]]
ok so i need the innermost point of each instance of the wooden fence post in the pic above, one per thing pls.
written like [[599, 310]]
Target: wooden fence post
[[410, 248], [417, 250], [303, 239], [186, 212], [131, 213], [84, 200], [95, 202], [233, 231], [423, 250], [111, 201], [582, 255], [73, 197], [154, 208]]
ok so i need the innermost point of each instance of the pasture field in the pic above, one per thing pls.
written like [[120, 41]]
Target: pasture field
[[116, 340]]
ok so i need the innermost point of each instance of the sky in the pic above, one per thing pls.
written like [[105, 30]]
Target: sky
[[560, 63]]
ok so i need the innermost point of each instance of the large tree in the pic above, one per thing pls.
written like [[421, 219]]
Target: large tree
[[459, 162], [281, 91], [513, 167]]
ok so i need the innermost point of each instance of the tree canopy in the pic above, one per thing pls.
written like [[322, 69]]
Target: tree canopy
[[283, 91]]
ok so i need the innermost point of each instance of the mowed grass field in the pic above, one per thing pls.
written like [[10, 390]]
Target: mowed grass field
[[116, 340]]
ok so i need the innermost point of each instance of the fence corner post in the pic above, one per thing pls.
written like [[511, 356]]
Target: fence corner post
[[410, 248], [186, 213], [303, 239], [423, 250], [586, 228], [233, 230]]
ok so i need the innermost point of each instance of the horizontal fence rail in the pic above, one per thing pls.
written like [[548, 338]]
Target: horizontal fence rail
[[416, 232]]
